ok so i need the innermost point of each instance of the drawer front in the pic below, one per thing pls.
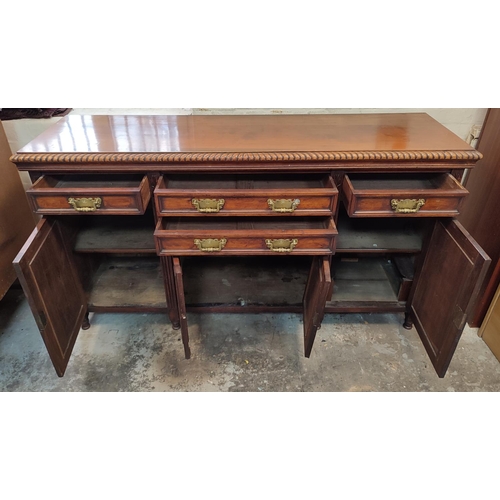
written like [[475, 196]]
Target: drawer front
[[58, 195], [254, 241], [434, 195], [245, 199]]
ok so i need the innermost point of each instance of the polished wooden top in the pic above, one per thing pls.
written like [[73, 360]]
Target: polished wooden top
[[245, 138]]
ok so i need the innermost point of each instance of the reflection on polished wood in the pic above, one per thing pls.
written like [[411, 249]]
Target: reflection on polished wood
[[378, 133]]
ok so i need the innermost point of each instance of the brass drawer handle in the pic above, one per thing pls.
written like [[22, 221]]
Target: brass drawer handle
[[282, 246], [283, 206], [407, 206], [85, 204], [210, 244], [208, 206]]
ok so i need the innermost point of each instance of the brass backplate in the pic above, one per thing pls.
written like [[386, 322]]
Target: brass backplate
[[210, 244], [283, 206], [282, 245], [407, 206], [85, 204], [208, 206]]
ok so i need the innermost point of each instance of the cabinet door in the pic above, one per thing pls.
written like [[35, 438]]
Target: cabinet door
[[181, 304], [47, 273], [453, 269], [317, 292]]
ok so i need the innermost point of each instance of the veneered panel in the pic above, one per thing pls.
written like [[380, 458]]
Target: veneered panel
[[49, 279], [451, 275]]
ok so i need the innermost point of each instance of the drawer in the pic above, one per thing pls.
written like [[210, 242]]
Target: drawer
[[403, 195], [237, 236], [264, 195], [90, 194]]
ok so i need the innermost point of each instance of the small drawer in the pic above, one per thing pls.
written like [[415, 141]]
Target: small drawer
[[90, 195], [404, 195], [265, 195], [236, 236]]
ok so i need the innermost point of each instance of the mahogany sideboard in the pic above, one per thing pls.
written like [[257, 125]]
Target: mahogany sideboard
[[304, 213]]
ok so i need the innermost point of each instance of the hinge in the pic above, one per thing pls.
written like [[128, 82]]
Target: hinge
[[41, 321], [316, 320]]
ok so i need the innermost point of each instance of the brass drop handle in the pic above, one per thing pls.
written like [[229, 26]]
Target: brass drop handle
[[282, 245], [210, 244], [407, 206], [208, 206], [85, 204], [283, 206]]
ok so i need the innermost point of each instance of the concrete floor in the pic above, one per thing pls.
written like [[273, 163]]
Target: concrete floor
[[233, 352]]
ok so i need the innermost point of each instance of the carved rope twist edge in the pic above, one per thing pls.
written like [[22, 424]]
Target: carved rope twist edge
[[245, 157]]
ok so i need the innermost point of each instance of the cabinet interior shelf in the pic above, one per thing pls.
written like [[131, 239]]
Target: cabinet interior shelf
[[384, 235], [127, 284], [124, 234], [364, 280], [134, 234], [239, 284]]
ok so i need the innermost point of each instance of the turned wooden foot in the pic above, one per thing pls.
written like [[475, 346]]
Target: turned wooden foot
[[408, 323], [176, 326], [86, 322]]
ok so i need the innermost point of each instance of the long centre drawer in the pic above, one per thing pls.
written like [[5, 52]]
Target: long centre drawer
[[249, 236], [257, 195]]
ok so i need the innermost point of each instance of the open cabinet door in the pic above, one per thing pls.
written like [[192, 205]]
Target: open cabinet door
[[446, 289], [318, 291], [47, 273], [181, 304]]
